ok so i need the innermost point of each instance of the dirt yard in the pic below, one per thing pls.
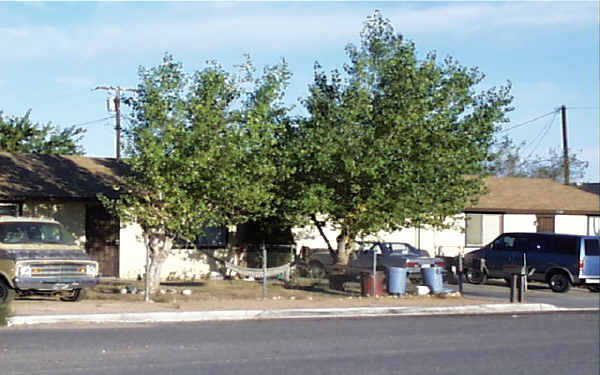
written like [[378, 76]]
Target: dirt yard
[[223, 295]]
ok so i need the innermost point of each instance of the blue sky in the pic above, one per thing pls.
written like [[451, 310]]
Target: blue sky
[[55, 53]]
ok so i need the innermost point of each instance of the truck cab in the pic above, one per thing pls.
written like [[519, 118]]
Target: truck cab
[[39, 257]]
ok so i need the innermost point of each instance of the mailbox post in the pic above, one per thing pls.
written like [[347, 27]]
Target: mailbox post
[[517, 275]]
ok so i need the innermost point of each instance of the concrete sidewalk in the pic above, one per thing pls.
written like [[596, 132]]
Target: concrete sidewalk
[[224, 315]]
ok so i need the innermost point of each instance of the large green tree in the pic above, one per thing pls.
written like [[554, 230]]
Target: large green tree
[[203, 149], [20, 134], [393, 140]]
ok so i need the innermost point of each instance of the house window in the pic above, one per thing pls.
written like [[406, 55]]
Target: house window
[[482, 228], [593, 225], [545, 223], [212, 237]]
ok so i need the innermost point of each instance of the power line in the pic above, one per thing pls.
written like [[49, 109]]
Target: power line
[[93, 121], [542, 134], [529, 121]]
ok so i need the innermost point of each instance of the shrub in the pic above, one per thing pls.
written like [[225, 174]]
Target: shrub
[[4, 314]]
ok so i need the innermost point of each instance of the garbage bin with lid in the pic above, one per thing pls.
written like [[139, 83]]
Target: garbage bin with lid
[[397, 280], [366, 283], [434, 279]]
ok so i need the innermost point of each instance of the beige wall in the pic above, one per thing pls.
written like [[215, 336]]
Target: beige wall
[[70, 214], [183, 264], [571, 224], [519, 223]]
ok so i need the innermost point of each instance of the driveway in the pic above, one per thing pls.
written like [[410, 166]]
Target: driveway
[[537, 293]]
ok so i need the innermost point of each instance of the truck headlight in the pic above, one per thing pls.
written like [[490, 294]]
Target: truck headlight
[[91, 270], [24, 270]]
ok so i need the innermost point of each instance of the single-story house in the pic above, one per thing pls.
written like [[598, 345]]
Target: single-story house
[[66, 188]]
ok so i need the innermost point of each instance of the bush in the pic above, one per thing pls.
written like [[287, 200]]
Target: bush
[[4, 314], [276, 256]]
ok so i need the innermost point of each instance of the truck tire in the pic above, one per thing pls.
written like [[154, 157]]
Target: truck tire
[[76, 296], [594, 288], [7, 294], [559, 282], [317, 270], [475, 276]]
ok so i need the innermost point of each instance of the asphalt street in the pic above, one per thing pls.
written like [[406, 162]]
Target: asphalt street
[[536, 293], [503, 344]]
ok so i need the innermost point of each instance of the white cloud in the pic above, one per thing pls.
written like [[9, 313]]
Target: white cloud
[[292, 27]]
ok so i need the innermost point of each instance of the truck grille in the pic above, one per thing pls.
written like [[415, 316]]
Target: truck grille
[[58, 270]]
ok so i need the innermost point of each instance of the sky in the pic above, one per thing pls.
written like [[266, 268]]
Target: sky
[[54, 54]]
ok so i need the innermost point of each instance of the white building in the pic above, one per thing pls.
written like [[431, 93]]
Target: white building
[[66, 188]]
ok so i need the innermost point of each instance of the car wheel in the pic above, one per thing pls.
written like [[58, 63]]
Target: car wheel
[[594, 288], [317, 270], [7, 293], [75, 296], [559, 283], [476, 277]]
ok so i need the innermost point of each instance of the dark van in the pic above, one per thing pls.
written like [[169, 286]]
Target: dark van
[[561, 260]]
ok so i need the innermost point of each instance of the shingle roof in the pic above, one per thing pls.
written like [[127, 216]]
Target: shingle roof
[[535, 195], [34, 176]]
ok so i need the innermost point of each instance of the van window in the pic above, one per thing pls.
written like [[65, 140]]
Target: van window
[[592, 247], [567, 245]]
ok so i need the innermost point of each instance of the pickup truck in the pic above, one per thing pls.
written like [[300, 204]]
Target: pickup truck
[[389, 254], [39, 257]]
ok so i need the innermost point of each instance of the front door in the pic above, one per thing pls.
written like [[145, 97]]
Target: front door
[[102, 233], [545, 223]]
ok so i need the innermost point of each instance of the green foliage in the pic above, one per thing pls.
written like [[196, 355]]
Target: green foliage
[[203, 149], [4, 314], [394, 140], [507, 161], [19, 134], [276, 256]]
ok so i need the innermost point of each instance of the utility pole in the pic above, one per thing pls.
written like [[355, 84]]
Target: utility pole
[[563, 110], [117, 101]]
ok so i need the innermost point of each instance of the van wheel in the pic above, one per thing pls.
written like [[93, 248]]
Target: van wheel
[[476, 276], [76, 296], [7, 294], [594, 288], [559, 283]]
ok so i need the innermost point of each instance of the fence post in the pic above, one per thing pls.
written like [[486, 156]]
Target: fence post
[[460, 273], [264, 256]]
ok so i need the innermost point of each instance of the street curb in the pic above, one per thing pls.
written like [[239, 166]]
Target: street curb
[[202, 316]]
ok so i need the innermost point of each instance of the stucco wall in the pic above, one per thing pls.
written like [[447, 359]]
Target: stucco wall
[[572, 224], [449, 241], [181, 264], [70, 214], [519, 223]]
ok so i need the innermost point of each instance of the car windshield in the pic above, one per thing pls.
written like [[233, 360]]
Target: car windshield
[[34, 232]]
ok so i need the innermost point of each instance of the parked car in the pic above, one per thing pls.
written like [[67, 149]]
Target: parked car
[[39, 257], [389, 254], [561, 260]]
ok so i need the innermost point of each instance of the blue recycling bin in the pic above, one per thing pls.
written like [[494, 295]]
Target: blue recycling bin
[[434, 279], [396, 280]]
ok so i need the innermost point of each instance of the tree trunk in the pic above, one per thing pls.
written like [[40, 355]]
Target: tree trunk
[[343, 250], [158, 246]]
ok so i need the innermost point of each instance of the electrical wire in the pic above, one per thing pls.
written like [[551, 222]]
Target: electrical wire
[[94, 121], [529, 121], [542, 134]]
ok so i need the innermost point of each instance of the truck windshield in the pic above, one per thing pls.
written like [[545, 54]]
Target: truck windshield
[[32, 233]]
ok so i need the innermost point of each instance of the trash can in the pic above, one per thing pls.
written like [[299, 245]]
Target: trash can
[[397, 280], [433, 277], [366, 283]]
